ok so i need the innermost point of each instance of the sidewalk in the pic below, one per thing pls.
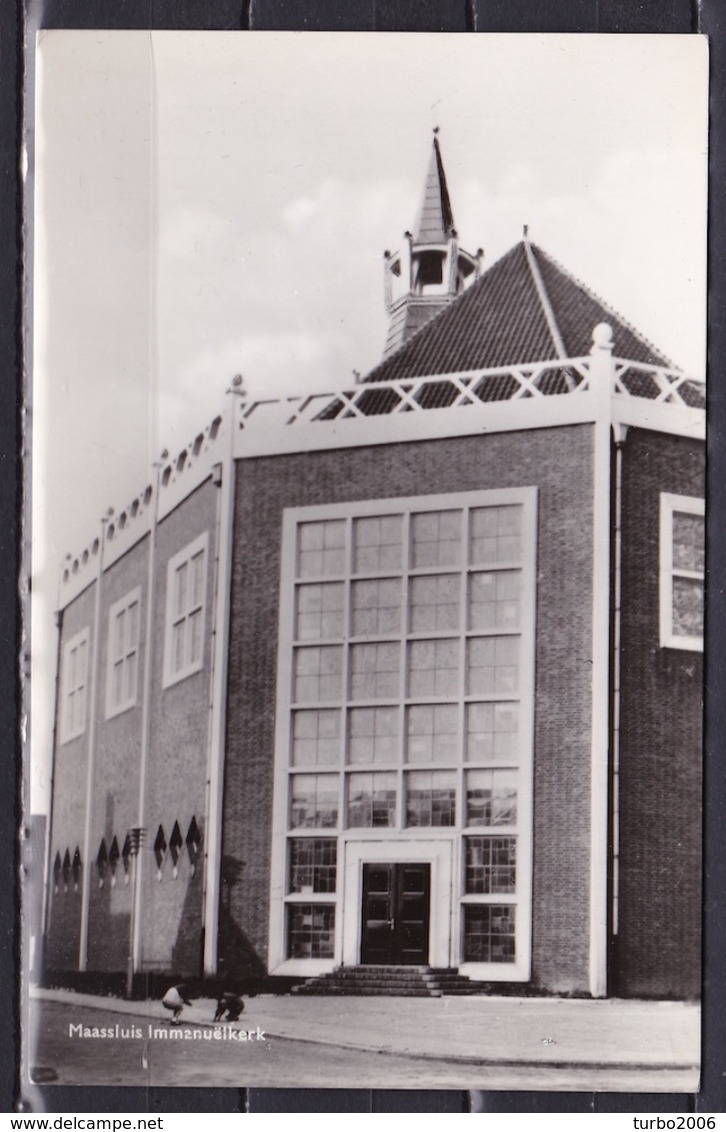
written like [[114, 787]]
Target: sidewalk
[[608, 1033]]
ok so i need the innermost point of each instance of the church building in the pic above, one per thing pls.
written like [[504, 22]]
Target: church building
[[404, 676]]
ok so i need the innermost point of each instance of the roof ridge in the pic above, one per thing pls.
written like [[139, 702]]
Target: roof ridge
[[607, 307], [444, 310], [544, 300]]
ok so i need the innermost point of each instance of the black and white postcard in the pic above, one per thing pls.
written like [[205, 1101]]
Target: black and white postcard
[[367, 472]]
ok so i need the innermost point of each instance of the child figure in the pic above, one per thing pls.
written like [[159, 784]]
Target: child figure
[[229, 1004], [175, 999]]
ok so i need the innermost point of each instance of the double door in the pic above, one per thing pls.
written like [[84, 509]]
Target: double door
[[395, 914]]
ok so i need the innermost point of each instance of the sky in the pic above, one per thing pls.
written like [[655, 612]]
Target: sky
[[209, 204]]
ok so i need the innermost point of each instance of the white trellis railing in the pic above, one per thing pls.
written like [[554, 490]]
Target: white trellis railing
[[559, 377]]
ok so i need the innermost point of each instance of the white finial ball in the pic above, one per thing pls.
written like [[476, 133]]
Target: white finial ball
[[602, 335]]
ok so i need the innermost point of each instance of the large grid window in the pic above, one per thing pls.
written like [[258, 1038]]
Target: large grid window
[[185, 610], [405, 701], [75, 687], [122, 665], [682, 567]]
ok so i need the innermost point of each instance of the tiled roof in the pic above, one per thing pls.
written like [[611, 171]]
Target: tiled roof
[[502, 320]]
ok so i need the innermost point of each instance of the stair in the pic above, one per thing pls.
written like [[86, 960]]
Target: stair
[[409, 982]]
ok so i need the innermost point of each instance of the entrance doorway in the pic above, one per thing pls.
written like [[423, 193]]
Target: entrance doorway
[[395, 914]]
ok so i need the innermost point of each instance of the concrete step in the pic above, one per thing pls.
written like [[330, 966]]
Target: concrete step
[[419, 982]]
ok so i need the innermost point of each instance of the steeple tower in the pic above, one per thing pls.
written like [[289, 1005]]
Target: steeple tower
[[430, 270]]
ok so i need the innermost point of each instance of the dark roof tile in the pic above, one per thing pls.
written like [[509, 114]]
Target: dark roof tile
[[500, 321]]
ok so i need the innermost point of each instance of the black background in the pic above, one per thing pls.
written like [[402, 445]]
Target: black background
[[454, 16]]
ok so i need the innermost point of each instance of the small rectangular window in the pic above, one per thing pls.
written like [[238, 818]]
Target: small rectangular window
[[316, 737], [185, 611], [311, 931], [431, 798], [371, 800], [314, 801], [312, 864], [373, 735], [122, 663], [682, 567], [491, 864], [75, 687], [489, 933]]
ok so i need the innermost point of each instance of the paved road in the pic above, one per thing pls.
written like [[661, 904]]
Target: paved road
[[286, 1062]]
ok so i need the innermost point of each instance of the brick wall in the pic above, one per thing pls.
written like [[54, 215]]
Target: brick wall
[[177, 771], [115, 797], [176, 775], [658, 946], [68, 816], [559, 462]]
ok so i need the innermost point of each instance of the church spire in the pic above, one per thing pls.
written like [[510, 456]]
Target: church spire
[[436, 220], [431, 269]]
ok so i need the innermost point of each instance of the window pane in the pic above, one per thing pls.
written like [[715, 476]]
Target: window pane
[[196, 596], [435, 603], [494, 600], [194, 628], [373, 735], [493, 665], [377, 544], [687, 607], [489, 933], [433, 668], [311, 931], [436, 538], [130, 690], [119, 636], [314, 801], [431, 798], [132, 626], [371, 800], [432, 734], [688, 542], [316, 737], [312, 865], [178, 637], [496, 534], [318, 674], [492, 732], [321, 548], [374, 671], [320, 611], [491, 797], [376, 607], [490, 864], [180, 590]]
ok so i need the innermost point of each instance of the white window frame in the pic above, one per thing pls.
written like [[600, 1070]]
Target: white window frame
[[172, 675], [69, 729], [400, 842], [113, 658], [669, 505]]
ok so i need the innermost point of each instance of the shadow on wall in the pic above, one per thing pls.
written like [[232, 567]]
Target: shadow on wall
[[237, 956], [187, 953]]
